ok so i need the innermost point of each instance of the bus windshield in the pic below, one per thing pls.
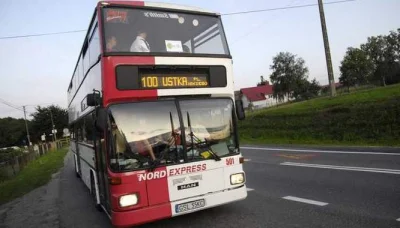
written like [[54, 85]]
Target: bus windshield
[[151, 31], [150, 133]]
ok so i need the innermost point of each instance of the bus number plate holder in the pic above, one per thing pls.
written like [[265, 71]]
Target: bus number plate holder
[[183, 207]]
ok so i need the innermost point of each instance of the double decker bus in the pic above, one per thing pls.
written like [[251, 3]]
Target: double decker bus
[[153, 114]]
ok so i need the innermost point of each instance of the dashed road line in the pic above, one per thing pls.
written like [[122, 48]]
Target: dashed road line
[[398, 219], [247, 159], [319, 151], [308, 201], [347, 168], [249, 189]]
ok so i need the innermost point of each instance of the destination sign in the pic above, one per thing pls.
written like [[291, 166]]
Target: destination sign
[[172, 81]]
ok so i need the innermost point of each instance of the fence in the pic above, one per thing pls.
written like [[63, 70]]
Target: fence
[[11, 167]]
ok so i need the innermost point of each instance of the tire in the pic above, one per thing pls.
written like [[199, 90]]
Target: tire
[[93, 194]]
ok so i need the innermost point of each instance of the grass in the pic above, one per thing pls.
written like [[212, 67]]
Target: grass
[[373, 95], [35, 174], [369, 117]]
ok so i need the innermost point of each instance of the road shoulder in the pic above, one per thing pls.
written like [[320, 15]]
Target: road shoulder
[[38, 208]]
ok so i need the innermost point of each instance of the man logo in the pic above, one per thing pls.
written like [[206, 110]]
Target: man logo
[[187, 186]]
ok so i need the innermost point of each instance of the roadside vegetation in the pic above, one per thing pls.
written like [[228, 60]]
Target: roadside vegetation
[[35, 174], [9, 153], [13, 131], [366, 117]]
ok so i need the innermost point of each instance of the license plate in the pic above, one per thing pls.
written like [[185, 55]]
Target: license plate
[[190, 206]]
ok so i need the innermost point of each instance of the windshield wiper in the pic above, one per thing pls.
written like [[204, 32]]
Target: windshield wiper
[[157, 161], [200, 143], [174, 135]]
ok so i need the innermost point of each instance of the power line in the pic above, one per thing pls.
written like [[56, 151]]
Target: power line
[[283, 8], [261, 24], [224, 14], [19, 107], [41, 34], [9, 104]]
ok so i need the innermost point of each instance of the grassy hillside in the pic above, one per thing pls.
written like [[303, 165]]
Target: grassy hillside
[[368, 117], [35, 174]]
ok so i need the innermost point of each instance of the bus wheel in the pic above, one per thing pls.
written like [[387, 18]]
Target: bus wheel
[[93, 193]]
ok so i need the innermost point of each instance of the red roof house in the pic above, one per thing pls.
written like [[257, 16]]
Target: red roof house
[[257, 95], [260, 96]]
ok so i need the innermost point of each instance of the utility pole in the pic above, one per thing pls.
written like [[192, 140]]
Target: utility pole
[[327, 49], [26, 126], [53, 126]]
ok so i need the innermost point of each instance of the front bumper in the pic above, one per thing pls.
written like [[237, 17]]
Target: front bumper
[[167, 210]]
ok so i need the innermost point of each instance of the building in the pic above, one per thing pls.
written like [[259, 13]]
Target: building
[[260, 96]]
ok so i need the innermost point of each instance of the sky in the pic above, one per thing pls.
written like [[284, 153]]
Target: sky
[[37, 70]]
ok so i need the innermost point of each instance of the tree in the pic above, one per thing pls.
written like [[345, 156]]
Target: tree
[[306, 90], [287, 72], [375, 50], [356, 67], [392, 57], [41, 122], [384, 52], [12, 132]]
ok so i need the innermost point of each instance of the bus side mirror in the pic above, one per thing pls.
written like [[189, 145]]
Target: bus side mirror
[[240, 110], [93, 99], [101, 119]]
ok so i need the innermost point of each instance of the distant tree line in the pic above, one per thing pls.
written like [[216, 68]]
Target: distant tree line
[[13, 131], [375, 62]]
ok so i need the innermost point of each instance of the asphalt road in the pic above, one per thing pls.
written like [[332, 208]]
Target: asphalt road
[[288, 187]]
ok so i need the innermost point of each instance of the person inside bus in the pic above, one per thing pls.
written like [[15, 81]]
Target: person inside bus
[[142, 147], [111, 44], [140, 44]]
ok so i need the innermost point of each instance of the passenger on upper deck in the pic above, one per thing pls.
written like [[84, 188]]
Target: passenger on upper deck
[[140, 44], [111, 44]]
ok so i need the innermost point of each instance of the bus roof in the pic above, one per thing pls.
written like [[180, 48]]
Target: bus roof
[[157, 5]]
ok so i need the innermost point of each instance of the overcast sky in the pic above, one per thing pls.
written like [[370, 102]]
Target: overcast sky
[[37, 70]]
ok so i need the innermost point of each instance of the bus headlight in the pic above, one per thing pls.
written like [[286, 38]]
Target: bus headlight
[[128, 200], [237, 178]]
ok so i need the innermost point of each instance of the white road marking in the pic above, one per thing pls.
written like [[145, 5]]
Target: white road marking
[[348, 168], [398, 219], [247, 159], [249, 189], [297, 199], [319, 151]]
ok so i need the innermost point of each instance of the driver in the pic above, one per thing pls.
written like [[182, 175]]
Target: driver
[[142, 144], [120, 148]]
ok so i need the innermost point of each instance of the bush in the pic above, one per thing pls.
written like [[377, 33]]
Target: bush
[[9, 153]]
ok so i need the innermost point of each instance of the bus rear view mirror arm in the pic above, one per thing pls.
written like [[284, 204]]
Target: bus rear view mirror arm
[[240, 110]]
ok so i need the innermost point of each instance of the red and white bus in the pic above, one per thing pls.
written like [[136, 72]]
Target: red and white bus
[[153, 114]]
